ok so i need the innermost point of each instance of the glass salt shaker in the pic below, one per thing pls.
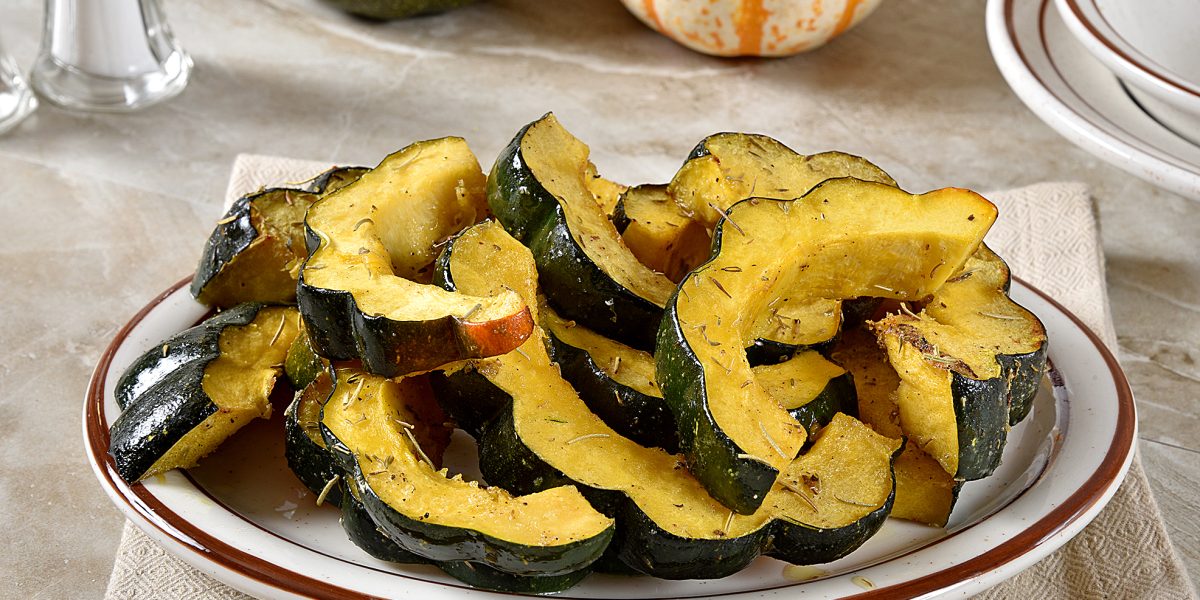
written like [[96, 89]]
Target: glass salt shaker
[[16, 99], [110, 56]]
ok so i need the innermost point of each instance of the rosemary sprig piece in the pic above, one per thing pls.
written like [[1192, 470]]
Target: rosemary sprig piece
[[587, 437], [328, 488]]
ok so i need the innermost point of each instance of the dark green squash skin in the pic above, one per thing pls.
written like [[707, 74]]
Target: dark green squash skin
[[162, 396], [740, 484], [362, 531], [387, 10], [644, 547], [303, 364], [981, 411], [235, 233], [481, 576], [640, 417], [839, 396], [763, 351], [790, 540], [443, 543], [311, 462], [652, 551], [619, 218], [1024, 373], [574, 285], [507, 462], [468, 398], [647, 419], [857, 311], [639, 543]]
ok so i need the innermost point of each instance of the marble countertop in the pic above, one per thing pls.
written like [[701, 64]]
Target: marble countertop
[[101, 212]]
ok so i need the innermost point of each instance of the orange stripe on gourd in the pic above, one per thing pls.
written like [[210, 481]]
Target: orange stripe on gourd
[[748, 23], [847, 18]]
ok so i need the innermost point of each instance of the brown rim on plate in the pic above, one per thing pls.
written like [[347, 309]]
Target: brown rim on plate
[[270, 574], [1131, 60]]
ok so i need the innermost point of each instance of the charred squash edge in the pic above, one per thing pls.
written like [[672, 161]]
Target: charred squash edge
[[340, 330]]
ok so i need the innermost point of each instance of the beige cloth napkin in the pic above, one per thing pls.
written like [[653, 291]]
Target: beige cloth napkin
[[1047, 233]]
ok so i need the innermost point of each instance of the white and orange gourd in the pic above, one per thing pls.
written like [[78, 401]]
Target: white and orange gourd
[[751, 27]]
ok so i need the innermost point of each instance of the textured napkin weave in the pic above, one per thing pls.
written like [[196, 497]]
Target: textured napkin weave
[[1047, 234]]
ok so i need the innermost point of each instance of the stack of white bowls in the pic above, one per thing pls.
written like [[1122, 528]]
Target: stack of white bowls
[[1119, 78], [1153, 46]]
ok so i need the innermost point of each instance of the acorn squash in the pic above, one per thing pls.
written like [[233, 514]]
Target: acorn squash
[[668, 525], [619, 384], [361, 530], [736, 437], [391, 454], [959, 360], [366, 238], [726, 168], [659, 232], [925, 492], [184, 397], [304, 447], [539, 190], [983, 285], [255, 252]]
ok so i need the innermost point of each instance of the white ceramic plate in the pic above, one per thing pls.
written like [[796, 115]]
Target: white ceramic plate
[[243, 518], [1079, 97]]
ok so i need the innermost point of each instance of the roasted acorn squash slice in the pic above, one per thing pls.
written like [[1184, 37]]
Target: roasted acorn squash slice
[[364, 239], [736, 437], [391, 454], [983, 285], [659, 232], [959, 361], [539, 190], [361, 530], [668, 525], [616, 381], [925, 492], [726, 168], [255, 252], [181, 399], [619, 384], [304, 446]]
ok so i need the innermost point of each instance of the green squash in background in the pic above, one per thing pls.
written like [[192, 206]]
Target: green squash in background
[[386, 10]]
